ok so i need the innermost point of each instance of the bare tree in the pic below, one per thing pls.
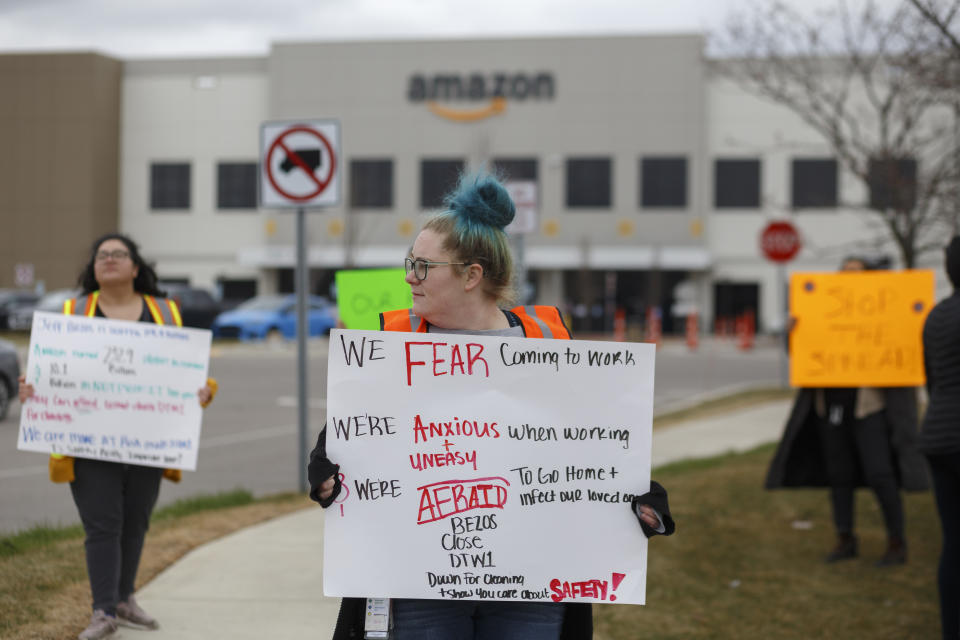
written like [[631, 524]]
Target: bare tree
[[940, 15], [860, 79]]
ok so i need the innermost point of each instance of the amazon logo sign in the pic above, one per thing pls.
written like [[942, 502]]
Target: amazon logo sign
[[489, 93]]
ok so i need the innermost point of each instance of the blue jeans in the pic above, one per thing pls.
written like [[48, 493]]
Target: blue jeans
[[476, 620]]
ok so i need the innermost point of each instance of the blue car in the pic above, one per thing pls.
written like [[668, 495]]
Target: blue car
[[274, 316]]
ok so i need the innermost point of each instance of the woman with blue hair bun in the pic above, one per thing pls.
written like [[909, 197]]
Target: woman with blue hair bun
[[460, 272]]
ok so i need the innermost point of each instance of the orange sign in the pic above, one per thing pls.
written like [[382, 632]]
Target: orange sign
[[859, 329]]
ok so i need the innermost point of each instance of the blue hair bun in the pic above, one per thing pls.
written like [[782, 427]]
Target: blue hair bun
[[481, 199]]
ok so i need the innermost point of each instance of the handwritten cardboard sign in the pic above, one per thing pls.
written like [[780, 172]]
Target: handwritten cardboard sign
[[859, 328], [363, 293], [487, 468], [114, 390]]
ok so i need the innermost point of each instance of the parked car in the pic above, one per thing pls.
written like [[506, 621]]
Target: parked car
[[21, 318], [9, 372], [274, 316], [12, 298], [197, 306]]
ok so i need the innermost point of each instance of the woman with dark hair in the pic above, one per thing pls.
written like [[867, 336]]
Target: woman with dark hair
[[843, 438], [460, 273], [115, 500], [145, 278], [940, 435]]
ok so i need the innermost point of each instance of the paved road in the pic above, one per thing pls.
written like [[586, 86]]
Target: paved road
[[249, 435]]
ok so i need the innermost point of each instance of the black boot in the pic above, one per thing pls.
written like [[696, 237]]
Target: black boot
[[846, 548], [896, 552]]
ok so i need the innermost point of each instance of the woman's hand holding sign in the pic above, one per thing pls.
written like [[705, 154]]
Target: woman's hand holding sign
[[26, 389], [649, 516], [326, 488]]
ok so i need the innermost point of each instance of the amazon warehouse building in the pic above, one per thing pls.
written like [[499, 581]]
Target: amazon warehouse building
[[645, 182]]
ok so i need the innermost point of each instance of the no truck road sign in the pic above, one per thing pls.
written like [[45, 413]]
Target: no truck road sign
[[300, 163]]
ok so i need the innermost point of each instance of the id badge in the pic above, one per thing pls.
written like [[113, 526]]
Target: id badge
[[377, 619]]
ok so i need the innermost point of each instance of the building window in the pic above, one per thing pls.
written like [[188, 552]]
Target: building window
[[437, 179], [736, 184], [516, 169], [286, 280], [893, 184], [663, 182], [170, 185], [371, 184], [589, 182], [814, 183], [237, 185]]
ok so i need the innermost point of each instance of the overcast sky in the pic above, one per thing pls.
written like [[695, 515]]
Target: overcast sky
[[177, 28]]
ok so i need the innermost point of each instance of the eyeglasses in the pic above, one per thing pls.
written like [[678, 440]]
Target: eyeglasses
[[116, 254], [420, 266]]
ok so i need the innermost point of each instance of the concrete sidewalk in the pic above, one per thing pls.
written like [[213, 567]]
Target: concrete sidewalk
[[266, 581]]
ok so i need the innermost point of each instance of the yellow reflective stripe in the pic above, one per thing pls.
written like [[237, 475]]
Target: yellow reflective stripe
[[91, 309], [68, 307], [57, 456], [154, 311], [177, 320]]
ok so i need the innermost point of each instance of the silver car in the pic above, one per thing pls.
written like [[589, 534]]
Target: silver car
[[9, 372], [21, 318]]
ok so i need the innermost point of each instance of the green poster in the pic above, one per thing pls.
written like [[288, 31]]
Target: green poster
[[362, 294]]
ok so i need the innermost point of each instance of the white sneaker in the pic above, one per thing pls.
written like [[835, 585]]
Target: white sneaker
[[101, 625], [130, 611]]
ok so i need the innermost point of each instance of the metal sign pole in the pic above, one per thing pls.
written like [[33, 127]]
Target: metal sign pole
[[302, 285], [785, 310], [299, 169]]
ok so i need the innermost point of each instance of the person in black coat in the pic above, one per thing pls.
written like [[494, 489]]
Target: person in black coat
[[848, 438], [940, 435]]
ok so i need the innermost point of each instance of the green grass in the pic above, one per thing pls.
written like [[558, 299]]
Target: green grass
[[43, 536], [738, 568], [188, 506], [38, 536]]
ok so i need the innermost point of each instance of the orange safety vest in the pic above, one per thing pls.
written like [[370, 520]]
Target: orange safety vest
[[163, 311], [538, 321]]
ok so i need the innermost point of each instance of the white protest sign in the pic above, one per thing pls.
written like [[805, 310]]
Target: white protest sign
[[114, 390], [487, 468]]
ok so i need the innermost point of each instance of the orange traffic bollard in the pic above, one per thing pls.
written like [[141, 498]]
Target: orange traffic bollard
[[746, 329], [619, 325], [693, 335], [654, 330]]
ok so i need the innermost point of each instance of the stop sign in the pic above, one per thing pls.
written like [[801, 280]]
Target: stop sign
[[780, 241]]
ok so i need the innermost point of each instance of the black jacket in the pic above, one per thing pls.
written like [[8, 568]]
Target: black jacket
[[578, 616], [941, 358], [799, 461]]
